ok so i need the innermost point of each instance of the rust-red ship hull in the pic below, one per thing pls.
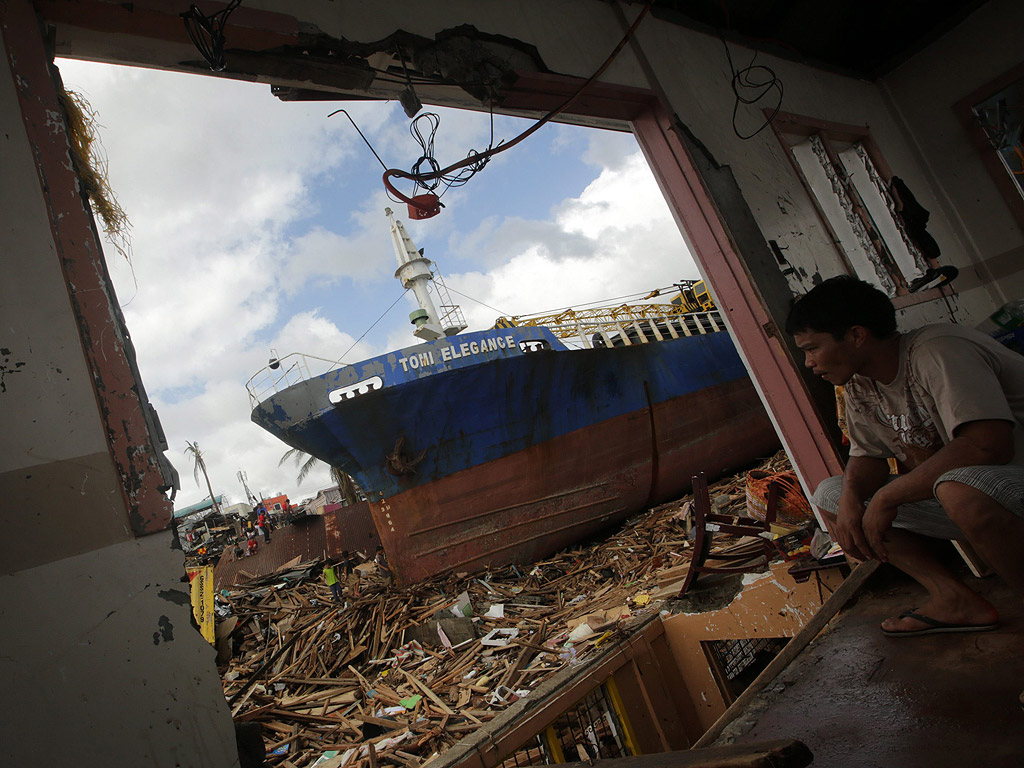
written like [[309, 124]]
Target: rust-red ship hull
[[532, 503]]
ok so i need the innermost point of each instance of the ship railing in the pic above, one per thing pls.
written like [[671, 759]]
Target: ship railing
[[622, 325], [284, 372], [620, 332]]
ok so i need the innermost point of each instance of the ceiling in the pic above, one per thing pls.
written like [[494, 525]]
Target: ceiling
[[866, 38]]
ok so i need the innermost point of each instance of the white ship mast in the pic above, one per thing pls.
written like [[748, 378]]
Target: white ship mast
[[415, 274]]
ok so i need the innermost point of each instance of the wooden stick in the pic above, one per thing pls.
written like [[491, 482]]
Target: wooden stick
[[429, 693]]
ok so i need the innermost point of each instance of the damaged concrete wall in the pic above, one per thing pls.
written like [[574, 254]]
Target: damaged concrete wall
[[766, 605], [693, 71], [100, 662], [54, 455], [102, 666], [989, 242]]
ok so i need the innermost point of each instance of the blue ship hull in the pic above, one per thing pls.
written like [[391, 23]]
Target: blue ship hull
[[445, 435]]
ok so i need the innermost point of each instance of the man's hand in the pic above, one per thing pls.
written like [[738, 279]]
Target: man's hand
[[863, 479], [877, 521], [849, 527]]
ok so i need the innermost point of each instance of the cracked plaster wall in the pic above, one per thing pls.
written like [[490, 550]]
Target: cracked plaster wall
[[102, 666], [923, 91], [695, 74]]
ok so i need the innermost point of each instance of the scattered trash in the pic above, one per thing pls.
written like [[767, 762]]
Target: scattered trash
[[410, 702], [500, 636], [462, 606], [444, 638], [503, 695], [582, 632], [325, 757]]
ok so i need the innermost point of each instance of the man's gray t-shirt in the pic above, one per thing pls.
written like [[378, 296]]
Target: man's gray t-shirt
[[948, 375]]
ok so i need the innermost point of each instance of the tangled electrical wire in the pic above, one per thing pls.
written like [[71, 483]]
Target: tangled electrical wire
[[426, 172], [476, 160], [750, 89], [207, 32]]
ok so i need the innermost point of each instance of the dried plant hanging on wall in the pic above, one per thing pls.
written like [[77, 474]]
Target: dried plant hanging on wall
[[91, 163]]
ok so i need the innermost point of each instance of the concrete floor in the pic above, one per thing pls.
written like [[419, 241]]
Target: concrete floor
[[858, 698]]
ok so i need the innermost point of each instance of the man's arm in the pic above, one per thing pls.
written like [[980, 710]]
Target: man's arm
[[861, 481], [974, 443]]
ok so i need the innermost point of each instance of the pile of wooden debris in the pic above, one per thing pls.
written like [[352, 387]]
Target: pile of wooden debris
[[393, 676]]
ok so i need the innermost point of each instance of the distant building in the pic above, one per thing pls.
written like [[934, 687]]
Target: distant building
[[278, 505], [236, 510], [327, 496]]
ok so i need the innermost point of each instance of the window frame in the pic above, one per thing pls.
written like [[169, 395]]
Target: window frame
[[964, 110], [831, 134]]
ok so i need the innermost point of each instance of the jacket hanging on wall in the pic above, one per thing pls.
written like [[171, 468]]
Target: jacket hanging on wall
[[915, 219]]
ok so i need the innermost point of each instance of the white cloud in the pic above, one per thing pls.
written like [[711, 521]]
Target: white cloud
[[621, 240]]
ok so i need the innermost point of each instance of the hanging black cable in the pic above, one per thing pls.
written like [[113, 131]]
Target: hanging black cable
[[748, 89], [207, 32]]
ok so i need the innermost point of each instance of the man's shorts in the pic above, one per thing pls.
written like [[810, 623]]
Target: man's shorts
[[1003, 483]]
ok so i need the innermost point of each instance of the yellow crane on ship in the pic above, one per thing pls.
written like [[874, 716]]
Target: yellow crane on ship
[[691, 311]]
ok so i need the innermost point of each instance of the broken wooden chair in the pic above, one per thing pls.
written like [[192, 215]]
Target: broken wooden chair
[[707, 522]]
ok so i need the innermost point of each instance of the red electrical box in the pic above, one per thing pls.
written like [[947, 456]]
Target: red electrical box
[[424, 206]]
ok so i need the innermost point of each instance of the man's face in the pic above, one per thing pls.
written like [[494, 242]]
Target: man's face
[[835, 360]]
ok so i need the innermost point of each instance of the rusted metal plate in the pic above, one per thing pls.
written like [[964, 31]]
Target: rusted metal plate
[[350, 528], [309, 539], [525, 506]]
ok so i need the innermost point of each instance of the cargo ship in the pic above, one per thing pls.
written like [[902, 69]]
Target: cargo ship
[[481, 449]]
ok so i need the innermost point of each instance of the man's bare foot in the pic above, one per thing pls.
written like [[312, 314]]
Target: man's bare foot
[[960, 615]]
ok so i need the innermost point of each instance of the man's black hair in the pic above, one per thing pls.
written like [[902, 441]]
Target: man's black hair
[[840, 303]]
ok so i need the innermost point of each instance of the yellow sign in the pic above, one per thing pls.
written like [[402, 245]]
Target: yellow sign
[[202, 600]]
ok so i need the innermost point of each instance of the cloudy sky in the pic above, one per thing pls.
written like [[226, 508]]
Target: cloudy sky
[[259, 225]]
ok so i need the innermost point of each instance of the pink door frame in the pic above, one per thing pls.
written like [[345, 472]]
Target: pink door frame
[[773, 370], [757, 338]]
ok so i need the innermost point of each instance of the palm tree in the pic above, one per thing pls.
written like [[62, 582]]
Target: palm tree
[[199, 464], [306, 463]]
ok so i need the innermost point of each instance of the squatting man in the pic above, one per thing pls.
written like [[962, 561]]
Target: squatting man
[[947, 403]]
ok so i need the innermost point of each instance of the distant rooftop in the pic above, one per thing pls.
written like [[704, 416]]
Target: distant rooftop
[[197, 507]]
